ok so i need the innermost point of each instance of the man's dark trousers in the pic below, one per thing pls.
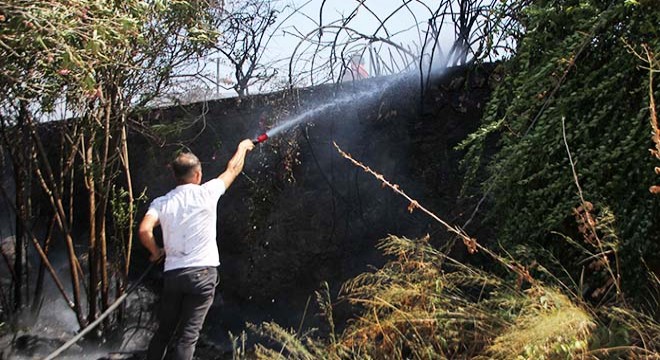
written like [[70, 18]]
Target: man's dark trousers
[[186, 299]]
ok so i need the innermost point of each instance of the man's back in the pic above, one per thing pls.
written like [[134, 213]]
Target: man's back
[[187, 215]]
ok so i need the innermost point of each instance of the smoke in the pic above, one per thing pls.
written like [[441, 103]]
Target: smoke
[[40, 333], [56, 324]]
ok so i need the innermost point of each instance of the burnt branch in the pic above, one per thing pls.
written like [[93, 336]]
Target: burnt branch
[[470, 243]]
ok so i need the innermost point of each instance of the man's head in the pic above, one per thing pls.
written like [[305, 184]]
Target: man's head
[[187, 169]]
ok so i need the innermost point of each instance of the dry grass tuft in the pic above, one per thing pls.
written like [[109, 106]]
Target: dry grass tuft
[[551, 326]]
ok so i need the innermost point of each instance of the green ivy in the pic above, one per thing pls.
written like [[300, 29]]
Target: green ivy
[[581, 49]]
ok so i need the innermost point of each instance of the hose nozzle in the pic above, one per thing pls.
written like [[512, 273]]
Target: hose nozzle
[[261, 138]]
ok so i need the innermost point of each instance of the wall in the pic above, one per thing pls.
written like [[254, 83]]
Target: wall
[[301, 214]]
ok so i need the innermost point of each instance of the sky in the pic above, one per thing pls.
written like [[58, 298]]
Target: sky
[[406, 28], [401, 26]]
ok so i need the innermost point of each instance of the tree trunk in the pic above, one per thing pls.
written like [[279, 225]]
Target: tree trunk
[[55, 199], [92, 250], [131, 199], [122, 278], [21, 178], [19, 239], [105, 183], [38, 289]]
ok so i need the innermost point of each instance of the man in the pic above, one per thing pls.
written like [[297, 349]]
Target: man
[[187, 215]]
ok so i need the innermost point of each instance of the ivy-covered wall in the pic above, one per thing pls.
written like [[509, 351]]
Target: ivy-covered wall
[[576, 69]]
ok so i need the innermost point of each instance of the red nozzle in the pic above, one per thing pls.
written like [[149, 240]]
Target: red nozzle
[[261, 138]]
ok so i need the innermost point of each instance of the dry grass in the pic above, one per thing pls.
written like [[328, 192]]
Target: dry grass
[[552, 326], [424, 305]]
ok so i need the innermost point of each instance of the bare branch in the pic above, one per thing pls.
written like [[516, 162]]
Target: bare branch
[[471, 243]]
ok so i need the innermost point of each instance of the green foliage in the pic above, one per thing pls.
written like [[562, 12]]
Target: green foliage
[[122, 209], [55, 47], [53, 44], [573, 62]]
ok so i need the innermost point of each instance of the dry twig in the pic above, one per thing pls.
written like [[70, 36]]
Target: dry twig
[[471, 243], [589, 223]]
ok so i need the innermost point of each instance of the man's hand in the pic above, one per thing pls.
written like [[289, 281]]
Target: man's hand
[[146, 235], [235, 165], [246, 145], [154, 257]]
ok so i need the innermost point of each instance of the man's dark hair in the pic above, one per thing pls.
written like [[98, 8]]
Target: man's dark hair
[[184, 166]]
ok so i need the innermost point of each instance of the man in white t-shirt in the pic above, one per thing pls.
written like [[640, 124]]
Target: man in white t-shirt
[[187, 215]]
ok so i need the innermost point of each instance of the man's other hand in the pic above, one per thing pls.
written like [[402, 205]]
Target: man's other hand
[[154, 257]]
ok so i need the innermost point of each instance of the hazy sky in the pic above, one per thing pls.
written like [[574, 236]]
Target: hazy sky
[[406, 28], [402, 26]]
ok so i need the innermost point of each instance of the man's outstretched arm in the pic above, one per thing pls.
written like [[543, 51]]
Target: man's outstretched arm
[[235, 165]]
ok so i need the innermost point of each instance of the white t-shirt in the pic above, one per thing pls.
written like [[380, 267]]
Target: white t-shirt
[[188, 216]]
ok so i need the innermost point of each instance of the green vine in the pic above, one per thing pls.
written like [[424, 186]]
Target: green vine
[[573, 62]]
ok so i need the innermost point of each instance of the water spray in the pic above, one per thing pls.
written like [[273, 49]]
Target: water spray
[[312, 113], [362, 97]]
